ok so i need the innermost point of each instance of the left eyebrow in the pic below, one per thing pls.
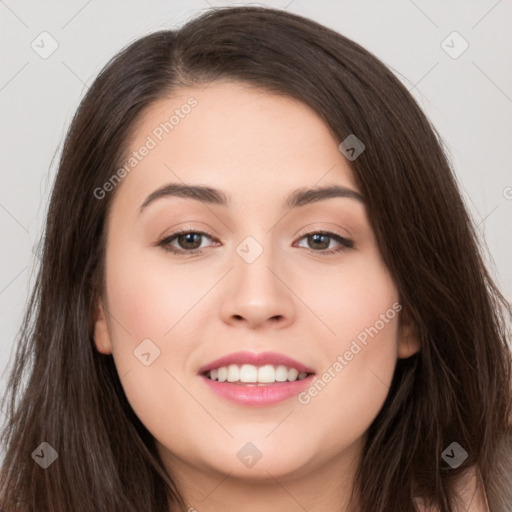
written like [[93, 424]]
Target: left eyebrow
[[298, 198], [199, 192]]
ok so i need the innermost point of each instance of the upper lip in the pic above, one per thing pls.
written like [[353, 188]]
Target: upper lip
[[260, 359]]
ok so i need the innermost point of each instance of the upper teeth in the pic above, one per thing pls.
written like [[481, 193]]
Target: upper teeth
[[250, 373]]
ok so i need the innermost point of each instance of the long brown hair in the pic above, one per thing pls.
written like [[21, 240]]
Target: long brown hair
[[458, 388]]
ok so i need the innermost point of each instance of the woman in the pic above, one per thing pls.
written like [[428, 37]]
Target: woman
[[330, 340]]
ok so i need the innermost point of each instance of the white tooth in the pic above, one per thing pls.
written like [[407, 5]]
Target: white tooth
[[248, 373], [292, 374], [222, 373], [281, 373], [266, 373], [233, 373]]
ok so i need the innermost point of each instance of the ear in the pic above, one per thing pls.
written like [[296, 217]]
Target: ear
[[408, 338], [101, 333]]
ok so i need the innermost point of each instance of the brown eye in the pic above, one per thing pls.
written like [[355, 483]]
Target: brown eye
[[319, 242], [189, 241], [184, 242]]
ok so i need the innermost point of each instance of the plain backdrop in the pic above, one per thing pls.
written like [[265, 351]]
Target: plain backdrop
[[463, 82]]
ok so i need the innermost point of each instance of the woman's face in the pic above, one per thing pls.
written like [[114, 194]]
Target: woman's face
[[265, 280]]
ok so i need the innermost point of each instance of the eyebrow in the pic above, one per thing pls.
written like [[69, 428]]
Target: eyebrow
[[298, 198]]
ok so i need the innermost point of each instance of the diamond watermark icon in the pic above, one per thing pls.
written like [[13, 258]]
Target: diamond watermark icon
[[249, 249], [44, 45], [351, 147], [249, 455], [454, 455], [146, 352], [454, 45], [45, 455], [37, 249]]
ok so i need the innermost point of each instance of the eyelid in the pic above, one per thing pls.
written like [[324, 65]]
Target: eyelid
[[314, 227]]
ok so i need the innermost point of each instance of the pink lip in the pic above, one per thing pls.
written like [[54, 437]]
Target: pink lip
[[251, 394], [260, 359]]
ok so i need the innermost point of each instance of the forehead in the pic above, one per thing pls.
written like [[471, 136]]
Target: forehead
[[232, 136]]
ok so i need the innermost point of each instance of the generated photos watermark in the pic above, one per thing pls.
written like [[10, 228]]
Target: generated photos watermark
[[343, 360], [157, 135]]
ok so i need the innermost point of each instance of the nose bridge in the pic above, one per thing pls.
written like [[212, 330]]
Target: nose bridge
[[255, 259], [257, 292]]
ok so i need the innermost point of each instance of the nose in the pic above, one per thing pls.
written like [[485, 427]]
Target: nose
[[259, 293]]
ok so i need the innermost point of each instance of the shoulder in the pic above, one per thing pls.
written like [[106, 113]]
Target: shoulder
[[471, 492]]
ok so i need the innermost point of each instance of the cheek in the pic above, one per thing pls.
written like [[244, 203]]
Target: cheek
[[349, 393], [350, 296], [150, 296], [360, 304], [153, 321], [148, 304]]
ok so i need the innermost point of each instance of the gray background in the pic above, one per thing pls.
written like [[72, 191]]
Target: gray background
[[468, 99]]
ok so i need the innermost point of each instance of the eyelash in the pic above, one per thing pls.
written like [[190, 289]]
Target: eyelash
[[345, 243]]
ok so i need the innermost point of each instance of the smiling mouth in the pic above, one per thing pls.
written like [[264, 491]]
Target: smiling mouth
[[251, 375]]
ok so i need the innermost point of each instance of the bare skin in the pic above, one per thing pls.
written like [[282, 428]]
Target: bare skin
[[257, 147]]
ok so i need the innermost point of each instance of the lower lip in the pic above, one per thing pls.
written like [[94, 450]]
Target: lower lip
[[253, 394]]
